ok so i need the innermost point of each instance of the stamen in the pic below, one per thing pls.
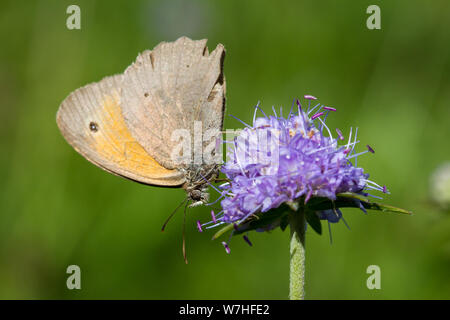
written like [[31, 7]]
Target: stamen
[[330, 108], [301, 114], [248, 240], [354, 140], [215, 225], [341, 137], [362, 207], [254, 115], [309, 97], [370, 149], [317, 115], [274, 112], [213, 216], [292, 108], [235, 225], [237, 158], [374, 183], [217, 200], [199, 226], [377, 197], [320, 149], [357, 154], [343, 220], [349, 137], [314, 108], [299, 106], [385, 190], [324, 125], [227, 248], [262, 111], [248, 126], [373, 188], [324, 120], [209, 183]]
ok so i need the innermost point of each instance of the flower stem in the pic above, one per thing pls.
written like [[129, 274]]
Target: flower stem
[[297, 264]]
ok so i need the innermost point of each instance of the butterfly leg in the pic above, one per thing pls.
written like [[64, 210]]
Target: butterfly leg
[[196, 204]]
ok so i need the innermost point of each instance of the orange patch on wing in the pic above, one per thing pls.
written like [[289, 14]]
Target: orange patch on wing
[[114, 141]]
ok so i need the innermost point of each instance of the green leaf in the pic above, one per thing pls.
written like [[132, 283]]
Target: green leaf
[[284, 222], [280, 214], [223, 230], [264, 220], [351, 200], [385, 208], [260, 221], [313, 220]]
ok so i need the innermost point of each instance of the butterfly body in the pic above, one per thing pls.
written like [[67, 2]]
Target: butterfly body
[[197, 179]]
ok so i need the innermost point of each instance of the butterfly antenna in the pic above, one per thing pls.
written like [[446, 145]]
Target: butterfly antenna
[[184, 237], [171, 215]]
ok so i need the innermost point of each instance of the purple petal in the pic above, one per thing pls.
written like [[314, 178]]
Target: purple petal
[[227, 248]]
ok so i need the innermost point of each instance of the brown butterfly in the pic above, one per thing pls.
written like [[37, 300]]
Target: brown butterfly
[[124, 124]]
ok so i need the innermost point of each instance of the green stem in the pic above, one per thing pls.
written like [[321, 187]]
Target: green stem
[[297, 265]]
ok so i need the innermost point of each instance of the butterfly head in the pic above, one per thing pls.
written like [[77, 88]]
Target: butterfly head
[[198, 178], [198, 197]]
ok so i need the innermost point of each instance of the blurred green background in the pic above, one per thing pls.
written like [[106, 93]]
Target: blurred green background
[[57, 209]]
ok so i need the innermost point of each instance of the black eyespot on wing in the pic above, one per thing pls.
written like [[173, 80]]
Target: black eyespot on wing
[[93, 126]]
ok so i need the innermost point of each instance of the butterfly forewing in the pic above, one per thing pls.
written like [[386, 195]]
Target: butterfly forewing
[[91, 120]]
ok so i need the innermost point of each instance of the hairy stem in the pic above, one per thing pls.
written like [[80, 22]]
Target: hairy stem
[[297, 264]]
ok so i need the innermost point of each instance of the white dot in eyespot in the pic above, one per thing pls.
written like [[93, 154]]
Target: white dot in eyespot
[[93, 126]]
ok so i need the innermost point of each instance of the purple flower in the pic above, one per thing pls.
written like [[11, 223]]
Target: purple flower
[[293, 159]]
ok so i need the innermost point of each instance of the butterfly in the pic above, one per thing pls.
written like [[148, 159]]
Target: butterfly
[[125, 123]]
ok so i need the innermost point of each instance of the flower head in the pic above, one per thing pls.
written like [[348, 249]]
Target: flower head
[[284, 160]]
